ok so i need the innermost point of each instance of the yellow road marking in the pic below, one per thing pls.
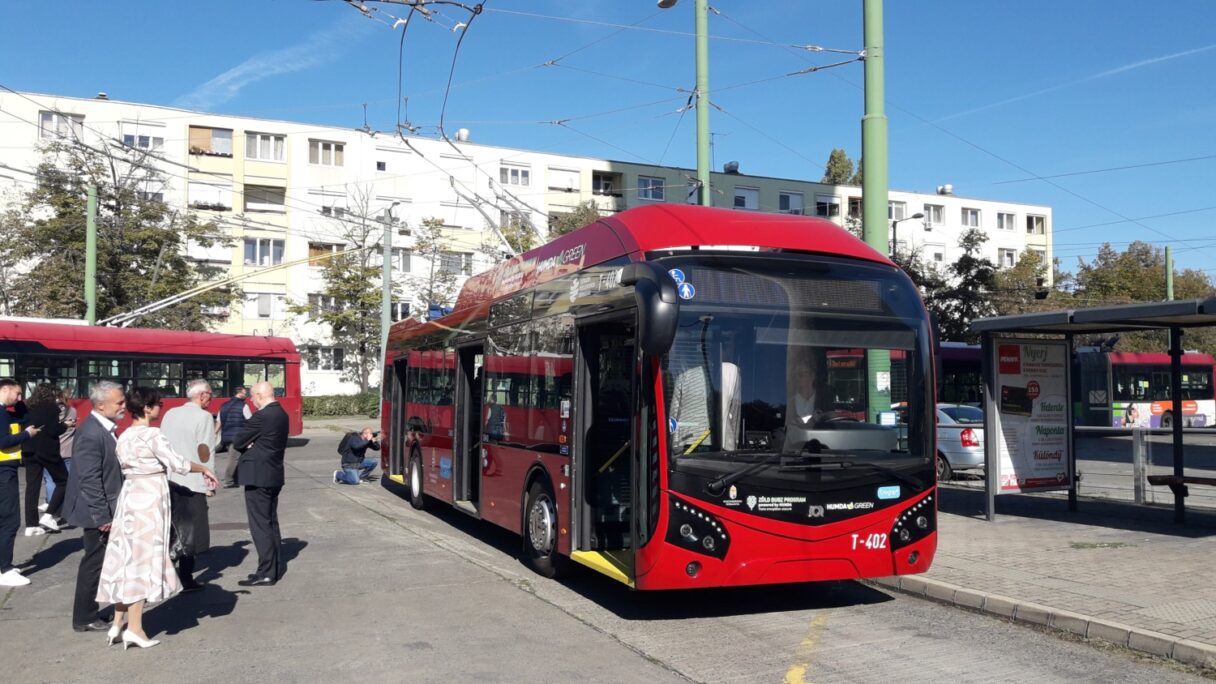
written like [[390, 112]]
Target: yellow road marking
[[797, 672]]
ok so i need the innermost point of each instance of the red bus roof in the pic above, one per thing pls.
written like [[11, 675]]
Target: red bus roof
[[634, 232], [1157, 358], [59, 337]]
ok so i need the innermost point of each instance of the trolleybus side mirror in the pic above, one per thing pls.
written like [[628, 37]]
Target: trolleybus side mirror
[[658, 305]]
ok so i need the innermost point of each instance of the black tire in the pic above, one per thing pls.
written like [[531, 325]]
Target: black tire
[[414, 481], [944, 471], [1167, 420], [540, 532]]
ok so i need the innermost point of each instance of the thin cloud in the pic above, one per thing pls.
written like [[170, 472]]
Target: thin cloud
[[315, 50], [1086, 79]]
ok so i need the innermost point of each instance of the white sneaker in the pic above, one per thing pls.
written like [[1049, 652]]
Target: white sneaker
[[48, 521], [12, 578], [42, 507], [336, 480], [34, 531]]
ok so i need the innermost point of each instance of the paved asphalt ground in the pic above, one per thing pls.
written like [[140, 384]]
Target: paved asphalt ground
[[376, 591]]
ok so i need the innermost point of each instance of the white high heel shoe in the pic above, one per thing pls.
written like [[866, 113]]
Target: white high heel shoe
[[114, 635], [129, 637]]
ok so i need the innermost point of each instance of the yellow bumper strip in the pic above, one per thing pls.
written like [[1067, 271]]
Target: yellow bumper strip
[[616, 564], [399, 479]]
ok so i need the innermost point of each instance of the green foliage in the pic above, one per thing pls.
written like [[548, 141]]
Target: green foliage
[[562, 223], [365, 404], [141, 243], [969, 294], [1017, 289], [437, 285], [856, 179], [839, 170], [520, 233]]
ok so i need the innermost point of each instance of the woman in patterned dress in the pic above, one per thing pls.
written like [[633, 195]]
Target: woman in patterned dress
[[137, 568]]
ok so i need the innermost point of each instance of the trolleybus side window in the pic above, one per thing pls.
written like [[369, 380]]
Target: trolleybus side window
[[165, 376], [274, 373], [113, 370]]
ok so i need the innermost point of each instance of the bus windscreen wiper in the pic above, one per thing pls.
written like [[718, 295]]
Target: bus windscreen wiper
[[716, 487], [889, 472]]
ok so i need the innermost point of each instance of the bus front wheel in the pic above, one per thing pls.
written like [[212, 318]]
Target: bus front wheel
[[417, 498], [540, 532], [944, 471]]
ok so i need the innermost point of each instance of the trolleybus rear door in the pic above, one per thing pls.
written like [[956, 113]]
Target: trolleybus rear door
[[467, 451]]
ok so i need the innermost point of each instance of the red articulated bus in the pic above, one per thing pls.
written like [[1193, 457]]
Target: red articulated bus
[[647, 396], [74, 357]]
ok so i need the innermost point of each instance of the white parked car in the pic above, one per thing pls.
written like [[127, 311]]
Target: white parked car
[[960, 439]]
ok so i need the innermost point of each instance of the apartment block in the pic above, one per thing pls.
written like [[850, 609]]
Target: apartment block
[[285, 194]]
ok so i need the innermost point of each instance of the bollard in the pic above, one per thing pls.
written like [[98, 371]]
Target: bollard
[[1138, 474]]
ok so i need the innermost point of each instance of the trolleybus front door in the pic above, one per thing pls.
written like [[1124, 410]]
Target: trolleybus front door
[[467, 451]]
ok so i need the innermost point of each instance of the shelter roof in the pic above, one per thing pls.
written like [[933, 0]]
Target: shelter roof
[[1186, 313]]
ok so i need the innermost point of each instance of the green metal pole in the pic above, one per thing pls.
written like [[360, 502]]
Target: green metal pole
[[90, 259], [874, 185], [702, 12], [1169, 273]]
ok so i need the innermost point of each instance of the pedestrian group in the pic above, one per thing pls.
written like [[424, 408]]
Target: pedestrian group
[[139, 498]]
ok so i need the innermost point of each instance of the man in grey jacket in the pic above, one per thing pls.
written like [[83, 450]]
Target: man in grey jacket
[[93, 487]]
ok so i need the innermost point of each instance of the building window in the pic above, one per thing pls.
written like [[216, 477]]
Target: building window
[[604, 183], [939, 254], [265, 198], [401, 259], [142, 136], [265, 147], [971, 217], [565, 180], [650, 188], [747, 198], [827, 206], [1035, 224], [325, 153], [319, 304], [515, 175], [209, 196], [897, 211], [263, 252], [321, 249], [1042, 254], [1005, 221], [855, 208], [381, 166], [460, 263], [215, 142], [935, 214], [325, 358], [336, 212], [1007, 258], [53, 125], [400, 311], [790, 203]]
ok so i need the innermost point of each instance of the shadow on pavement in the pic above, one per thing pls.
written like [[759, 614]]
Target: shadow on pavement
[[52, 555], [211, 565], [1098, 513], [661, 605], [297, 442], [184, 611]]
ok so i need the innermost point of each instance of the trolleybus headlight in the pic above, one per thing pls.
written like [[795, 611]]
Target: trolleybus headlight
[[904, 535], [922, 522], [696, 530], [916, 522], [692, 569]]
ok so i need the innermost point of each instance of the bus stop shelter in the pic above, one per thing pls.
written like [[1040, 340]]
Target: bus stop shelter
[[1174, 316]]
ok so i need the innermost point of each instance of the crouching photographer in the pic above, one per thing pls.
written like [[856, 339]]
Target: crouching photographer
[[356, 467]]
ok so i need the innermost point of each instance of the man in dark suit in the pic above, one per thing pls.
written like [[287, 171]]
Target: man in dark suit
[[93, 486], [262, 443]]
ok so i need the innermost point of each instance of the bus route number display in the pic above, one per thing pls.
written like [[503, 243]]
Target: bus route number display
[[1031, 418]]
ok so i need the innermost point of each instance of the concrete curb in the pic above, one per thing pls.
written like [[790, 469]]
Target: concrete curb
[[1146, 641]]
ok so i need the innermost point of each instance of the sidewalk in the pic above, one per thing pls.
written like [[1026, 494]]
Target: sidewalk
[[1113, 571], [340, 424]]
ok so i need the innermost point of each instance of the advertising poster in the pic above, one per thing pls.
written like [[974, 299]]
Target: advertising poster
[[1033, 437]]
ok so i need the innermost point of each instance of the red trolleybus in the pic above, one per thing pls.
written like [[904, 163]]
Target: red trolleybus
[[1132, 389], [74, 357], [648, 396]]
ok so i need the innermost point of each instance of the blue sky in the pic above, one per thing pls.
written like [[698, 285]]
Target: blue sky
[[982, 95]]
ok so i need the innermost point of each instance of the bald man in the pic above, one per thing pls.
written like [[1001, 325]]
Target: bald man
[[261, 444]]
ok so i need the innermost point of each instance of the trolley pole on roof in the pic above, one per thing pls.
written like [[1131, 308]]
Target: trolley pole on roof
[[874, 184], [90, 258]]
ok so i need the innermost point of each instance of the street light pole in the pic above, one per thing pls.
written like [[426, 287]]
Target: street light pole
[[386, 278], [701, 10], [895, 235]]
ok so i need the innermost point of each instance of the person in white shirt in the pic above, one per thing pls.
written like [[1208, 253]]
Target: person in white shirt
[[190, 430]]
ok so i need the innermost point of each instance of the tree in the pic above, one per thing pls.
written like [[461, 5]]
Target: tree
[[969, 294], [839, 170], [856, 179], [518, 231], [142, 244], [1022, 288], [562, 223], [350, 301], [437, 285], [925, 276]]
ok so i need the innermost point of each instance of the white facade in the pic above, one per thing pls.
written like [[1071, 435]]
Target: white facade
[[285, 191]]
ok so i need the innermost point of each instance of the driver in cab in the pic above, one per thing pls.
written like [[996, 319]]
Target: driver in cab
[[805, 400]]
